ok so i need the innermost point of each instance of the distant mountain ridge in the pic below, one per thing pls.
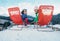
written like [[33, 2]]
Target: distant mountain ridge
[[55, 18]]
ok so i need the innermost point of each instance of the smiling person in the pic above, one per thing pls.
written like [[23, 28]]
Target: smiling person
[[26, 18], [36, 14]]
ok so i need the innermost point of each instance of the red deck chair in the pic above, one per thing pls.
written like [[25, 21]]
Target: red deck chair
[[45, 14], [15, 15]]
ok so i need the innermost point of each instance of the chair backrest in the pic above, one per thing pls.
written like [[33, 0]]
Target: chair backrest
[[45, 14], [15, 16]]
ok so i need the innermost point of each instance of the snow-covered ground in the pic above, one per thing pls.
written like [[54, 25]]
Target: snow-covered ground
[[28, 35]]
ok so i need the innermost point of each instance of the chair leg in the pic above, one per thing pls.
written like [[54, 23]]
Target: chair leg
[[20, 27], [52, 27], [37, 25], [34, 26], [38, 28]]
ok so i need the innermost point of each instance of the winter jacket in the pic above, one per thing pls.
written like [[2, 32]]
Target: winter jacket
[[36, 18], [24, 16]]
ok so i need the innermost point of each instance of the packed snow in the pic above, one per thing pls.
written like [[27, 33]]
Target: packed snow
[[28, 34]]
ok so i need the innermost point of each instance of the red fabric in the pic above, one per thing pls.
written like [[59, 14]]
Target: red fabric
[[27, 20], [15, 15], [44, 19]]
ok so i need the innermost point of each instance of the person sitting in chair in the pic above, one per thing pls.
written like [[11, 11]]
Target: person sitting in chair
[[36, 13], [25, 17]]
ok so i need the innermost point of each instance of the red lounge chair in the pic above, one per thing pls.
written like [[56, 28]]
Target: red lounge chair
[[15, 15], [45, 14]]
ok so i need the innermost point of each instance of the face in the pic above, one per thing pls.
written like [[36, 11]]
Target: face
[[25, 11], [36, 9]]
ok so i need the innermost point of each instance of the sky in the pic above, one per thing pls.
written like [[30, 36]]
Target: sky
[[27, 4]]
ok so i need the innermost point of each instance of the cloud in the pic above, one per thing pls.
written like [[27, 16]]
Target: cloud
[[3, 11], [23, 5], [28, 6], [56, 7]]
